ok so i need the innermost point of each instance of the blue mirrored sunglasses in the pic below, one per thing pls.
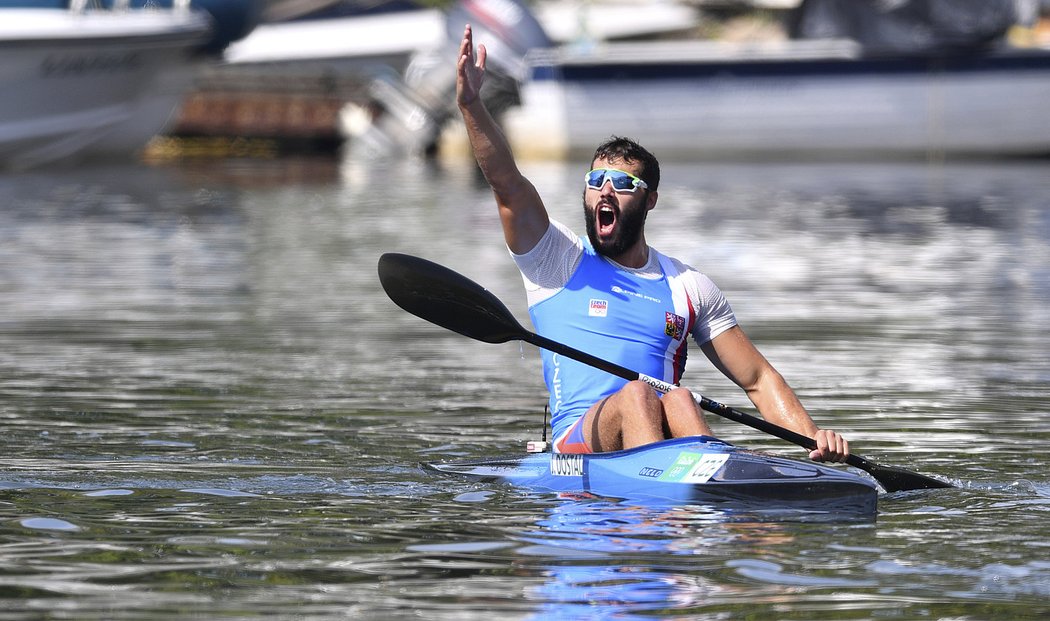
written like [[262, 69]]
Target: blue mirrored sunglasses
[[622, 181]]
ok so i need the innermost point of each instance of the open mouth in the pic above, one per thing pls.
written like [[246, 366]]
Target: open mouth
[[606, 220]]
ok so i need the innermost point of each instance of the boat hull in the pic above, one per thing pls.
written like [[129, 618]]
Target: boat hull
[[98, 84], [703, 100], [697, 470]]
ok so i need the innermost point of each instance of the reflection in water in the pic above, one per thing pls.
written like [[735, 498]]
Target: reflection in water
[[662, 560], [210, 408]]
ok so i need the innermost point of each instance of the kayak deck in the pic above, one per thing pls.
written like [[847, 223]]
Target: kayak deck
[[682, 470]]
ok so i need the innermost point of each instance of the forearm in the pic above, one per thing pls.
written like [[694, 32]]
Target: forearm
[[734, 354], [521, 211], [778, 404], [491, 148]]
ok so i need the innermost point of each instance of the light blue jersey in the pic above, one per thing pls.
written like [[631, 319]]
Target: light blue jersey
[[640, 323]]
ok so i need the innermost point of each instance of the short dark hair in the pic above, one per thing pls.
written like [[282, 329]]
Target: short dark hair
[[618, 148]]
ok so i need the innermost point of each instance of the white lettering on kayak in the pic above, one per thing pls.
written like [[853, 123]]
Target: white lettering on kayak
[[706, 468], [556, 383], [566, 465], [695, 467]]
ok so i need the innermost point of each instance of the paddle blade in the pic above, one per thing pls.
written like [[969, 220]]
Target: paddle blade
[[450, 300], [895, 479]]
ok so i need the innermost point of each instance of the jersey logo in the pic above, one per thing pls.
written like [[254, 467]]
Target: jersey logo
[[617, 289], [674, 326], [598, 308]]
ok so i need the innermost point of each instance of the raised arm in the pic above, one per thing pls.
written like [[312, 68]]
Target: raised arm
[[733, 353], [521, 210]]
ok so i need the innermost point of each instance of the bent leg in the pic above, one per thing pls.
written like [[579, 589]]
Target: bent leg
[[682, 416], [630, 417]]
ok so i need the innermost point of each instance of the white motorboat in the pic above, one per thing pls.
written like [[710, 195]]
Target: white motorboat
[[783, 99], [851, 78], [81, 83]]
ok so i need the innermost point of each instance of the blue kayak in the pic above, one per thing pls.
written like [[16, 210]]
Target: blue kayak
[[696, 470]]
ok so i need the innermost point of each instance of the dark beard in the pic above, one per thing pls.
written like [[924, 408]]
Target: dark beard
[[628, 232]]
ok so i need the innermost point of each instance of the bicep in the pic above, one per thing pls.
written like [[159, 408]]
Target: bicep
[[522, 214], [733, 353]]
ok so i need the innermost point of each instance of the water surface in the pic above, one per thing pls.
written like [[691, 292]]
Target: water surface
[[211, 410]]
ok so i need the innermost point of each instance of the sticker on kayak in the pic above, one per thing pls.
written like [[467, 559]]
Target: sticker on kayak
[[566, 465], [695, 467]]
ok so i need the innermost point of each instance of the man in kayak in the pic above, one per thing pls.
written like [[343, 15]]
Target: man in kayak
[[613, 296]]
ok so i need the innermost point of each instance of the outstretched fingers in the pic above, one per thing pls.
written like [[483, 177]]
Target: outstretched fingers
[[466, 46], [470, 68]]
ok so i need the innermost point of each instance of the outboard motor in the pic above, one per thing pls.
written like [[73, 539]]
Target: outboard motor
[[506, 27], [411, 111]]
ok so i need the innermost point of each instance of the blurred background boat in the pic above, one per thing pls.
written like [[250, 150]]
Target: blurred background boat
[[830, 78], [90, 80], [855, 78], [692, 78], [378, 74], [282, 88]]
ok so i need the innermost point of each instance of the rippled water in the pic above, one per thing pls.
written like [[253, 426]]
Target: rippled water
[[211, 410]]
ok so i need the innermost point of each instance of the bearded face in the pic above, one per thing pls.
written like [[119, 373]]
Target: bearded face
[[615, 219], [613, 230]]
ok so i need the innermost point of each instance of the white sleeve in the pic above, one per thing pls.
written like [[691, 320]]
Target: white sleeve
[[714, 315], [548, 266]]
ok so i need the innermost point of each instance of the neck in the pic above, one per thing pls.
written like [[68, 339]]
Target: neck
[[636, 256]]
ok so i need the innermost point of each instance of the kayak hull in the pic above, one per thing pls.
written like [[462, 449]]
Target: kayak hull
[[697, 470]]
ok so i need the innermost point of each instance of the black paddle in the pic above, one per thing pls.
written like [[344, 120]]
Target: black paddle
[[452, 301]]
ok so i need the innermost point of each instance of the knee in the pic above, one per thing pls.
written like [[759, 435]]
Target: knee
[[640, 393], [683, 413], [680, 399], [680, 405], [640, 401]]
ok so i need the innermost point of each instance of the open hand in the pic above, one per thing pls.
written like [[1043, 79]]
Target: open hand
[[470, 71]]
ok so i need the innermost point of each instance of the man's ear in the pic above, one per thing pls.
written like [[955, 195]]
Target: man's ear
[[650, 200]]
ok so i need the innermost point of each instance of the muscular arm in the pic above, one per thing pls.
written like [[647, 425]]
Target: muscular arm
[[733, 353], [521, 210]]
